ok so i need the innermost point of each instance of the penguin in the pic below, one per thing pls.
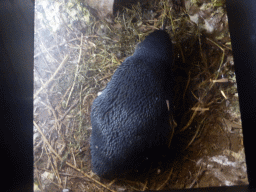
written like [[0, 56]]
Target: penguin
[[130, 118]]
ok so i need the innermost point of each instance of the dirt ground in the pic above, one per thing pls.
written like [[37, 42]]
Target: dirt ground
[[76, 53]]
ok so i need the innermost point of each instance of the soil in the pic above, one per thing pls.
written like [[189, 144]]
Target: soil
[[76, 54]]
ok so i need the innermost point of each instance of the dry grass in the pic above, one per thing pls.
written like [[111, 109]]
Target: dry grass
[[203, 88]]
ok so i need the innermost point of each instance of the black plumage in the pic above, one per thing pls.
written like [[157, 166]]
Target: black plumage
[[130, 119]]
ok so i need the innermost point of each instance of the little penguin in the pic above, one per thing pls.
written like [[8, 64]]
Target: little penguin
[[130, 118]]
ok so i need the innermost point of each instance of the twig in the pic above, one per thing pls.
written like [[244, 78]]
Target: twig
[[195, 135], [35, 162], [73, 157], [68, 111], [190, 121], [69, 164], [223, 94], [49, 49], [222, 58], [37, 176], [105, 77], [145, 186], [59, 104], [224, 80], [55, 171], [199, 174], [86, 175], [45, 140], [79, 59], [199, 109], [52, 77], [111, 183], [54, 114], [161, 186]]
